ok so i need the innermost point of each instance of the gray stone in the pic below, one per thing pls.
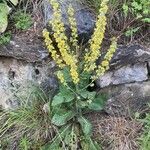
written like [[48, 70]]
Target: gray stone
[[130, 54], [16, 73], [23, 48], [126, 100], [84, 16], [126, 74]]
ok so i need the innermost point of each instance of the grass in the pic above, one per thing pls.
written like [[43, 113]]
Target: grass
[[122, 22], [144, 140], [29, 126]]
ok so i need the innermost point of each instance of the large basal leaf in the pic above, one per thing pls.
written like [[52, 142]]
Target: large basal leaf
[[98, 103], [15, 2], [67, 94], [64, 96], [58, 99], [87, 95], [4, 10], [86, 125], [60, 119]]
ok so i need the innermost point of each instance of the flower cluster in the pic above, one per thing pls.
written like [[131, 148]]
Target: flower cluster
[[68, 58], [97, 38], [104, 66], [51, 49], [61, 39], [61, 77], [73, 27]]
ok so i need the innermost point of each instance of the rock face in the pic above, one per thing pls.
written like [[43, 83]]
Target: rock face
[[129, 64], [14, 73], [23, 48], [84, 16], [125, 100], [126, 74]]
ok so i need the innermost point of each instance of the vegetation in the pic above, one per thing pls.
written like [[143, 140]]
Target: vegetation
[[76, 70], [144, 140], [5, 38], [60, 123], [29, 126], [128, 18], [22, 20]]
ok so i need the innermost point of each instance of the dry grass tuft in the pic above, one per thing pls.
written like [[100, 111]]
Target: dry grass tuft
[[116, 133]]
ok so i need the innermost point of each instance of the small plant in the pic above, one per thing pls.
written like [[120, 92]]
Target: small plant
[[77, 71], [23, 20], [5, 38], [140, 8], [144, 140], [28, 126]]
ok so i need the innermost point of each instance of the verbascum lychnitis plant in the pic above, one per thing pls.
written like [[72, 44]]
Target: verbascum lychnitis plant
[[76, 68]]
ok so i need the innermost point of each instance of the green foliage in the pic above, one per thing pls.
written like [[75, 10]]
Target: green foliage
[[131, 31], [140, 8], [4, 11], [29, 126], [68, 107], [23, 21], [144, 140], [24, 143], [5, 38]]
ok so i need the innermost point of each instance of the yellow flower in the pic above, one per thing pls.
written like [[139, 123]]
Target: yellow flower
[[97, 38], [51, 49], [61, 77], [104, 66], [73, 26], [61, 39]]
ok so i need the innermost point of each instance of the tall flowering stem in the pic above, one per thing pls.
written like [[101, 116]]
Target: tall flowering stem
[[61, 39], [104, 66], [97, 38], [73, 26], [51, 49]]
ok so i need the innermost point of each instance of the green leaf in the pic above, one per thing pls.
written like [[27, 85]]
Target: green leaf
[[4, 11], [86, 94], [58, 99], [146, 20], [67, 94], [15, 2], [64, 96], [98, 103], [60, 119], [125, 9], [66, 73], [86, 125], [136, 5]]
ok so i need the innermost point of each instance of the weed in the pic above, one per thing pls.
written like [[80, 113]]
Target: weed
[[23, 20], [144, 140], [29, 126], [5, 38]]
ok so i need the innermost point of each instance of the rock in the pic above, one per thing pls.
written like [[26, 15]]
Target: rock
[[126, 100], [23, 48], [84, 16], [126, 74], [15, 73], [50, 86], [130, 54]]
